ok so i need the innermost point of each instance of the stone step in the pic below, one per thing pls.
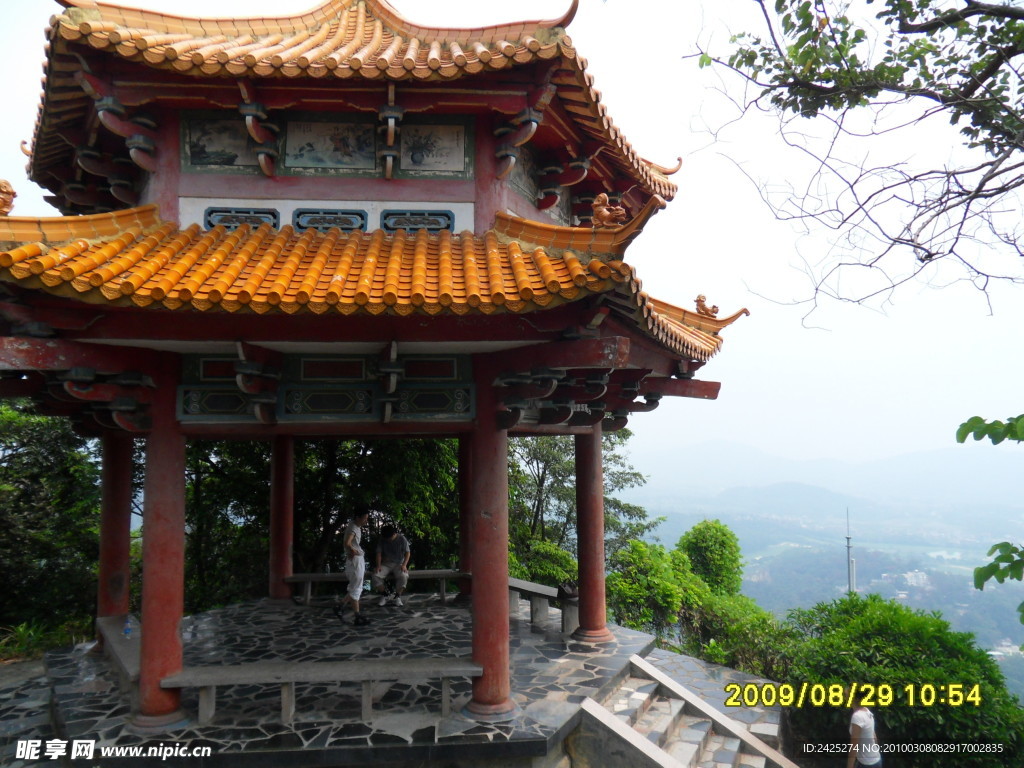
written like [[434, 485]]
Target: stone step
[[752, 761], [658, 723], [689, 739], [632, 698], [720, 752], [766, 732]]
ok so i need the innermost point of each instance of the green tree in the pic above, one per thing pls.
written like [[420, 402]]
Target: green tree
[[49, 515], [916, 63], [542, 489], [648, 586], [714, 552], [543, 562], [1008, 562], [868, 640]]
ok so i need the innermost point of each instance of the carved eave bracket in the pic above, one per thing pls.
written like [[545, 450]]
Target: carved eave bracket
[[390, 116], [258, 375], [264, 133], [139, 137], [519, 130]]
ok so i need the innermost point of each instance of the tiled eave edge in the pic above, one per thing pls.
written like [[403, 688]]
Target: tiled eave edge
[[602, 242], [89, 268]]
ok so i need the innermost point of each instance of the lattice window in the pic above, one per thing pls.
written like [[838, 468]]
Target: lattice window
[[432, 221], [233, 218], [323, 219]]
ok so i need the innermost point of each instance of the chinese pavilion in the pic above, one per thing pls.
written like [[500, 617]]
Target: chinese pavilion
[[340, 223]]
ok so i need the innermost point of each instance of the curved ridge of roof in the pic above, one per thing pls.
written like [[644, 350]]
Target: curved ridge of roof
[[132, 258], [103, 17]]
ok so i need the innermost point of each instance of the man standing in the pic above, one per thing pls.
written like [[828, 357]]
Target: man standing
[[355, 566], [392, 560]]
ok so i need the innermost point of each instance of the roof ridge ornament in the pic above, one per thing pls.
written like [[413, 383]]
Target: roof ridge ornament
[[606, 214], [7, 195]]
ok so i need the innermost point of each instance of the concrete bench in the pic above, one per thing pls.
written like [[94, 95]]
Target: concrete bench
[[123, 652], [287, 674], [541, 596], [308, 579]]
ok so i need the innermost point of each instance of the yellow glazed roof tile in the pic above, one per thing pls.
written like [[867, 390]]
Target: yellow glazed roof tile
[[131, 258]]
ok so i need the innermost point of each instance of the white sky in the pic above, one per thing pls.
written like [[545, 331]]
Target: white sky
[[871, 385]]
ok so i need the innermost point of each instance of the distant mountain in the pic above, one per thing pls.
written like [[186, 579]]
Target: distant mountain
[[961, 474]]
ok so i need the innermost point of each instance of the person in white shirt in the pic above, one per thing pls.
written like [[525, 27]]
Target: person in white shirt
[[355, 566], [863, 742]]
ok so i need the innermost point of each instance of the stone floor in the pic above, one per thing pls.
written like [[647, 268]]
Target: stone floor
[[551, 675]]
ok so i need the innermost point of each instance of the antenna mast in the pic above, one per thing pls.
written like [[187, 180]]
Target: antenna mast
[[850, 585]]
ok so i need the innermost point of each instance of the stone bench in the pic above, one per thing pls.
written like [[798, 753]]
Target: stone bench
[[308, 579], [287, 674], [541, 596], [122, 651]]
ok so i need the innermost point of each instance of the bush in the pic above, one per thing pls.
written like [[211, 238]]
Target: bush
[[733, 630], [870, 640]]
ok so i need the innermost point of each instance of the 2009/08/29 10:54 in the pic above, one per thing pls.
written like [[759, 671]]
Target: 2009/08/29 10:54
[[839, 695]]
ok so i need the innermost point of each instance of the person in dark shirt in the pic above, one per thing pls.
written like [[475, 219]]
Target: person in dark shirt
[[392, 560]]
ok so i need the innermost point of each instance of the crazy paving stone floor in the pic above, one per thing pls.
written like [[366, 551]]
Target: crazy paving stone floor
[[551, 675]]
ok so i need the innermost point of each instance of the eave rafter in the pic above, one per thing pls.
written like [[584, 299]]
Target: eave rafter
[[582, 382]]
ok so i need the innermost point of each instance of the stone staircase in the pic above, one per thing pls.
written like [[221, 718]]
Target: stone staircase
[[651, 720]]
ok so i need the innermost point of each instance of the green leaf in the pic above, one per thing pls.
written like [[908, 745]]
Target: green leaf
[[704, 61]]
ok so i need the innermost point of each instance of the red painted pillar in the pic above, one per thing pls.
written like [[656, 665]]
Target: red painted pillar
[[488, 509], [115, 525], [163, 557], [465, 516], [282, 504], [590, 538]]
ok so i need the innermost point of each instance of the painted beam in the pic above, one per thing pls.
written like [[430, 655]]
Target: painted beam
[[703, 390], [612, 352], [24, 354]]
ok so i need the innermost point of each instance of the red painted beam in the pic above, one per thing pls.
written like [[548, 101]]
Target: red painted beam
[[581, 353], [704, 390], [254, 431], [24, 354]]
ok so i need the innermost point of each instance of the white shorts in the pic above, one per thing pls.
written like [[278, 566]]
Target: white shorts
[[355, 569]]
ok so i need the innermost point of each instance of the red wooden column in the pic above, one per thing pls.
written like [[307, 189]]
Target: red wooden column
[[163, 557], [115, 525], [282, 505], [590, 538], [465, 516], [488, 510]]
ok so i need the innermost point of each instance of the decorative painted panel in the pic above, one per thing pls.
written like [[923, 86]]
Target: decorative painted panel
[[436, 148], [218, 143], [342, 144]]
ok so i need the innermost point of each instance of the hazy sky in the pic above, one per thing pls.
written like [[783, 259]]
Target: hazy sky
[[862, 384]]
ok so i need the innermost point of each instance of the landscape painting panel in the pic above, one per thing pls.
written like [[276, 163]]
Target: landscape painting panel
[[331, 145], [220, 142]]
